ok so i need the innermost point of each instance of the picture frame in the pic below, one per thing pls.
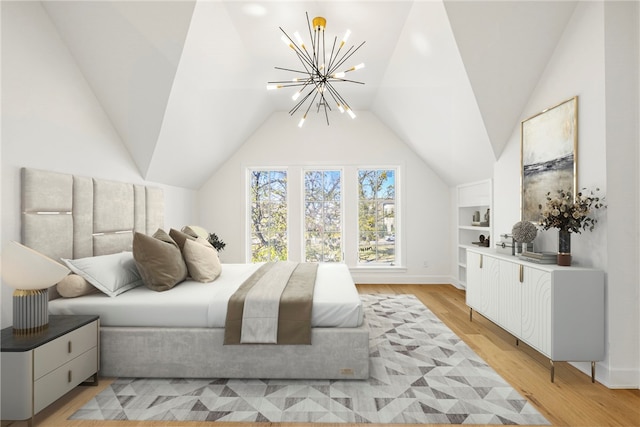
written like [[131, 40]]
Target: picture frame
[[548, 156]]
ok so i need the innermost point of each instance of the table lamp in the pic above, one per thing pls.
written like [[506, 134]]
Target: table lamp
[[31, 274]]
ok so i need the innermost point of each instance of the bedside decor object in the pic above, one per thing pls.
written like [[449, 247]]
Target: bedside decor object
[[524, 232], [216, 242], [506, 245], [318, 73], [549, 143], [31, 274], [482, 241], [569, 214], [476, 219]]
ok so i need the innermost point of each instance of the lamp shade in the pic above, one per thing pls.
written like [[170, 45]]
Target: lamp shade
[[25, 268]]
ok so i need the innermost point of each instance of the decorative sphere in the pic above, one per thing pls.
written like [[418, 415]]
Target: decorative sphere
[[524, 232]]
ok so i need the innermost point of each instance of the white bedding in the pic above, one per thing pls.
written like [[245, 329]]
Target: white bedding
[[336, 302]]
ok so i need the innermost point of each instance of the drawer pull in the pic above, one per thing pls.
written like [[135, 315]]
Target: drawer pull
[[521, 273], [480, 261], [70, 377], [69, 347]]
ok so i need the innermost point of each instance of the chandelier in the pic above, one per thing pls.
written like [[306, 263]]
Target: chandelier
[[319, 73]]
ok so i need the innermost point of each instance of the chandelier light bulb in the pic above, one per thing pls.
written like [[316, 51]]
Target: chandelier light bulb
[[340, 108], [357, 67], [273, 87], [286, 41], [345, 38], [351, 113], [296, 95], [339, 75], [301, 122]]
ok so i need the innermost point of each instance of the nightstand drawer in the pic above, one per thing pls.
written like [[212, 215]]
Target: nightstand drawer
[[60, 351], [58, 382]]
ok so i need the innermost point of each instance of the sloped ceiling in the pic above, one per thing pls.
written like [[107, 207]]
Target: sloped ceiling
[[186, 80]]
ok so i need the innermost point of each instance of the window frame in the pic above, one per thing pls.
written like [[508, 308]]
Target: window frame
[[398, 219], [310, 168], [248, 207]]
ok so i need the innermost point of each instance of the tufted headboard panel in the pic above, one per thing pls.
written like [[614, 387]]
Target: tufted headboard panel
[[69, 216]]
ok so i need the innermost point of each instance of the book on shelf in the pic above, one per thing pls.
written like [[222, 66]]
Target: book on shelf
[[539, 255], [539, 260]]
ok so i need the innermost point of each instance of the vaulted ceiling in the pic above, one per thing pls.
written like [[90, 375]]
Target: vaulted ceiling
[[187, 79]]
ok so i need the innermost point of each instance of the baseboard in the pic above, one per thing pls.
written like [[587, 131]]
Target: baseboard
[[611, 378], [381, 278]]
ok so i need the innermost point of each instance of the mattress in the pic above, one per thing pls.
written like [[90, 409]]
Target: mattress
[[336, 302]]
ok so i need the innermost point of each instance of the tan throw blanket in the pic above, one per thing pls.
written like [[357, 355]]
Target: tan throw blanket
[[289, 284]]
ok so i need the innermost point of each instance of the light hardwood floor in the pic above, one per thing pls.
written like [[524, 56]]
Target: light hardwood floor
[[572, 400]]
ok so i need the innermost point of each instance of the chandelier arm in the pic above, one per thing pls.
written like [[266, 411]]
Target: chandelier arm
[[301, 54], [347, 55], [302, 101], [311, 103], [326, 106], [336, 96], [336, 80], [337, 62], [332, 57], [292, 70]]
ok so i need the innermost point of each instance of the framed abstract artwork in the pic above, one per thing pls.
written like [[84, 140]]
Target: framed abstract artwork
[[548, 153]]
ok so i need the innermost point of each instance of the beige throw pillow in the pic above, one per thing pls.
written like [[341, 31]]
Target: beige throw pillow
[[74, 285], [195, 231], [159, 260], [179, 237], [202, 260]]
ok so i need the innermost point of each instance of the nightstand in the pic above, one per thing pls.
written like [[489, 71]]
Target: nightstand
[[39, 369]]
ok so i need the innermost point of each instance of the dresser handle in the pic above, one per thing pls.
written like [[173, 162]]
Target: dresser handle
[[521, 273], [480, 261], [69, 348], [69, 377]]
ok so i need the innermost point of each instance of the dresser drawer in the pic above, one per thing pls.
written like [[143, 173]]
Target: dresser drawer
[[65, 348], [50, 387]]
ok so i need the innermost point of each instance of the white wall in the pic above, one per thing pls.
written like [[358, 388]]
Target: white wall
[[346, 143], [51, 120], [622, 71], [580, 67]]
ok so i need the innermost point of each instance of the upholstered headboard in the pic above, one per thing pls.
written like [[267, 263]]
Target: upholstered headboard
[[69, 216]]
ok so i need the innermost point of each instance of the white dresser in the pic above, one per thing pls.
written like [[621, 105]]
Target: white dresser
[[559, 311], [38, 369]]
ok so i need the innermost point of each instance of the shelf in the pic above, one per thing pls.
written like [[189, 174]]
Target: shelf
[[474, 227], [471, 197]]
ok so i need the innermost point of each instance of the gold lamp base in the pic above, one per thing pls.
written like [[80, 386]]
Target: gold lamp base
[[30, 311]]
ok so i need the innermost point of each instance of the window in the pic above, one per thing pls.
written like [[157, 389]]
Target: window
[[323, 216], [268, 215], [376, 216]]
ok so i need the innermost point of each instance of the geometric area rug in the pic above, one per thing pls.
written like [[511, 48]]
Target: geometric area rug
[[420, 372]]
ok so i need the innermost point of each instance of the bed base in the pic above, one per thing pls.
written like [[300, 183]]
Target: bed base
[[336, 353]]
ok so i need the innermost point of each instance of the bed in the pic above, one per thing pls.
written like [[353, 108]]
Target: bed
[[179, 332]]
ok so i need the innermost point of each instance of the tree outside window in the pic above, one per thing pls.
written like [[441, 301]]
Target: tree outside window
[[323, 216], [268, 215], [376, 216]]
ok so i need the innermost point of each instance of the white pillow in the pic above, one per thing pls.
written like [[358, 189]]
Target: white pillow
[[112, 274]]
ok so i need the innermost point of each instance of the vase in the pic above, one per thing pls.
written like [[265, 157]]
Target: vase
[[564, 248]]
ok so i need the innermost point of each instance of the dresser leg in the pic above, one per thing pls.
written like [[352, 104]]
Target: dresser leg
[[94, 381], [471, 315], [517, 342], [593, 372], [552, 369]]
